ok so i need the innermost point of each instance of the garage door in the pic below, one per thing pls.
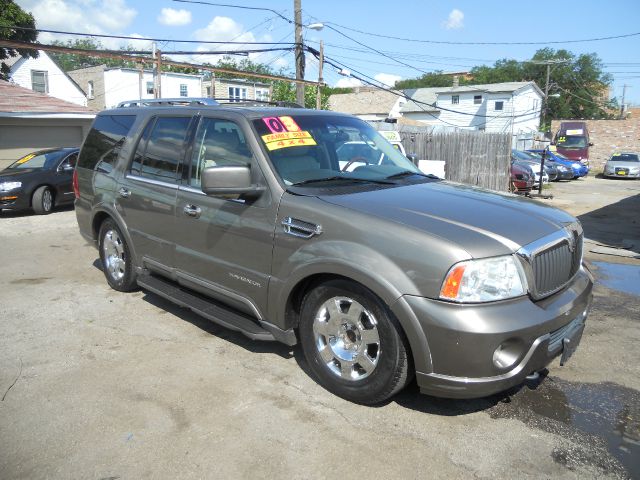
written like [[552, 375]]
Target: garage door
[[16, 141]]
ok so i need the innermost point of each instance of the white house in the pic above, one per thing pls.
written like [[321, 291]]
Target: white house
[[368, 103], [43, 75], [106, 87], [235, 89], [510, 107]]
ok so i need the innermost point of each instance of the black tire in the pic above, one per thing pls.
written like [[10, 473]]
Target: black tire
[[42, 200], [389, 366], [116, 258]]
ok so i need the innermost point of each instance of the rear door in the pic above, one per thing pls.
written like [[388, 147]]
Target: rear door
[[225, 242], [146, 195], [64, 178]]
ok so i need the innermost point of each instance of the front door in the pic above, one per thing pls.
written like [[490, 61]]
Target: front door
[[146, 195], [225, 243]]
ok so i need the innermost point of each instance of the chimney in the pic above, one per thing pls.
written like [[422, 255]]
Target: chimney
[[456, 81]]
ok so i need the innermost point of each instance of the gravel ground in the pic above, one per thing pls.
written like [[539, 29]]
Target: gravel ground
[[101, 384]]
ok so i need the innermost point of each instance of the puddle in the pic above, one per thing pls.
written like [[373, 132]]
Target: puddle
[[624, 278], [603, 420]]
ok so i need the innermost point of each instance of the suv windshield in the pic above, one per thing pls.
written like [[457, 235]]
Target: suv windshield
[[571, 141], [308, 149], [38, 160]]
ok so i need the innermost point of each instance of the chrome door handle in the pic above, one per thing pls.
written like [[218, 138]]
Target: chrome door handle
[[124, 192], [192, 210]]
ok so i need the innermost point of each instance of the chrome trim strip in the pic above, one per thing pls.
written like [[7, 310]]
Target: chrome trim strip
[[158, 183], [221, 291], [187, 188]]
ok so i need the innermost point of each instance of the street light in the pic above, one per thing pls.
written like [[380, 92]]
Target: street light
[[317, 27]]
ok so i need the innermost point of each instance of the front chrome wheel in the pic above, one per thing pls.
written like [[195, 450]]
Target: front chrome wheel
[[47, 200], [114, 255], [346, 337]]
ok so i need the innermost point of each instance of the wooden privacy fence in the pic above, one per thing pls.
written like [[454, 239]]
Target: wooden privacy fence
[[472, 157]]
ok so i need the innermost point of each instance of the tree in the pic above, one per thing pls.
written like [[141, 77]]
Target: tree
[[431, 79], [74, 61], [11, 15]]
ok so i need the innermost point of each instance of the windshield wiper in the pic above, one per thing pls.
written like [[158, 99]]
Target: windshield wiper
[[406, 173], [337, 177]]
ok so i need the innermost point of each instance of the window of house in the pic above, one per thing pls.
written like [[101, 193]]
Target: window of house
[[262, 94], [90, 89], [39, 81], [161, 148], [150, 88], [455, 99], [477, 99], [208, 91], [183, 90], [237, 94], [499, 105]]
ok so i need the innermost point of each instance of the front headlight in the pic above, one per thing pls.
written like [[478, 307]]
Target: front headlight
[[6, 186], [484, 280], [576, 165]]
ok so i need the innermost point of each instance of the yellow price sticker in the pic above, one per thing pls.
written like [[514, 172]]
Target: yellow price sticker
[[276, 141]]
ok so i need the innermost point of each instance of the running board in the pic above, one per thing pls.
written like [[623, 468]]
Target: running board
[[208, 309]]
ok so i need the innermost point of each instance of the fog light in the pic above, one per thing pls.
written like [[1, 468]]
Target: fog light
[[8, 198], [507, 353]]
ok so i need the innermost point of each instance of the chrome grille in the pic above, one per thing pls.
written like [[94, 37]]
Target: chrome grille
[[556, 265]]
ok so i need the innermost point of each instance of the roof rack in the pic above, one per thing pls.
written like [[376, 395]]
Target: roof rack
[[182, 101], [245, 102], [191, 101]]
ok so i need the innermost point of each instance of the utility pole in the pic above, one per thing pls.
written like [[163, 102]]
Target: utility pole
[[140, 79], [320, 79], [154, 70], [297, 8], [624, 94], [158, 93], [546, 97]]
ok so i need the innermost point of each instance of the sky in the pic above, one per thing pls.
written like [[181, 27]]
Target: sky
[[352, 30]]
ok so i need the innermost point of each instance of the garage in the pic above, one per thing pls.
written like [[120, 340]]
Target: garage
[[31, 121]]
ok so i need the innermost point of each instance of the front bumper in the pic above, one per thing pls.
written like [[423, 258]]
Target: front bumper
[[14, 200], [625, 175], [468, 344]]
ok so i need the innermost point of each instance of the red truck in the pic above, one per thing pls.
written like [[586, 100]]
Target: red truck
[[572, 141]]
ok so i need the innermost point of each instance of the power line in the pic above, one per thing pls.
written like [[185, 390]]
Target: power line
[[442, 42], [127, 37], [243, 7]]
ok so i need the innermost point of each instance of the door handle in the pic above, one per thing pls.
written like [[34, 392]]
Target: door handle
[[192, 210], [124, 192]]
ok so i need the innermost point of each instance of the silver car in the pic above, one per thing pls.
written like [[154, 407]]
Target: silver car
[[623, 165]]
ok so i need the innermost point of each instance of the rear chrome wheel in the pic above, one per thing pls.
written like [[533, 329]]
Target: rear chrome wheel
[[353, 344], [116, 258]]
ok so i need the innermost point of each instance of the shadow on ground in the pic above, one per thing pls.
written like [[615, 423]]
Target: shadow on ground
[[613, 224]]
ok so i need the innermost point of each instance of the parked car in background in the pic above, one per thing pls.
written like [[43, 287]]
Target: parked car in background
[[40, 180], [623, 165], [572, 141], [521, 179], [579, 169], [550, 168], [521, 158]]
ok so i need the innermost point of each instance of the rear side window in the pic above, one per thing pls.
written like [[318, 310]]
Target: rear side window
[[102, 146], [161, 148]]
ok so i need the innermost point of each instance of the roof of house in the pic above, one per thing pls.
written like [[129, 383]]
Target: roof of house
[[504, 87], [16, 99], [366, 101], [421, 99]]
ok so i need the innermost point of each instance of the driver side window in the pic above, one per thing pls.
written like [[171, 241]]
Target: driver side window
[[218, 143]]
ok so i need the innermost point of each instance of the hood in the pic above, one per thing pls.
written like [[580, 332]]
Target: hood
[[17, 173], [483, 222], [574, 153]]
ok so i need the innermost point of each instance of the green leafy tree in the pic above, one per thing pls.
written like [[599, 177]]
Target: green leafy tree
[[431, 79], [11, 15], [74, 61]]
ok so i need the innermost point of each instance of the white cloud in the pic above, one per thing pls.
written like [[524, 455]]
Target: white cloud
[[174, 18], [387, 79], [224, 29], [348, 83], [455, 20], [89, 16]]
